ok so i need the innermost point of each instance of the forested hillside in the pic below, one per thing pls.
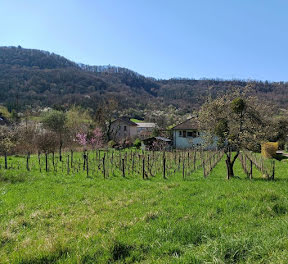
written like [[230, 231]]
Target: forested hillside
[[39, 78]]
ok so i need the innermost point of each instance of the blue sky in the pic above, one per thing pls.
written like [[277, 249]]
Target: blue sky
[[241, 39]]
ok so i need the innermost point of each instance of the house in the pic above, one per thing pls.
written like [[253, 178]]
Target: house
[[123, 128], [145, 130], [145, 127], [156, 143], [187, 135]]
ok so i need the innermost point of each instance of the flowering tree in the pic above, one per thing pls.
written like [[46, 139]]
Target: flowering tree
[[95, 139], [81, 138], [7, 139]]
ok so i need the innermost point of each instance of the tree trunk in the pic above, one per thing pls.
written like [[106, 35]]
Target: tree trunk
[[230, 164]]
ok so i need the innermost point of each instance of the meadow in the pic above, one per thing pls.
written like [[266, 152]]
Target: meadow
[[67, 216]]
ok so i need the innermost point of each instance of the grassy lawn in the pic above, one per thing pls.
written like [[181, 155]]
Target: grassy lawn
[[56, 218]]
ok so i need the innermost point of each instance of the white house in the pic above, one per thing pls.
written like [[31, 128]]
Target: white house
[[187, 135]]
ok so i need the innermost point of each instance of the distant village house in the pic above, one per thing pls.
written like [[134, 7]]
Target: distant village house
[[187, 135], [123, 128]]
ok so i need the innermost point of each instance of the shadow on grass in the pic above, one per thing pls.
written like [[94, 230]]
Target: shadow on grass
[[280, 157]]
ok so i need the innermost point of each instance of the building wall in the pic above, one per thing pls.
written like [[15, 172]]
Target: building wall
[[180, 142], [119, 132], [133, 131]]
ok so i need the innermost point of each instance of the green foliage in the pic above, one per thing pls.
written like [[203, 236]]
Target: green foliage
[[78, 120], [137, 143], [155, 132], [238, 105], [4, 111], [55, 121], [112, 144], [222, 129]]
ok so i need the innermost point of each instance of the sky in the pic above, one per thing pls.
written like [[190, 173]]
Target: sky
[[227, 39]]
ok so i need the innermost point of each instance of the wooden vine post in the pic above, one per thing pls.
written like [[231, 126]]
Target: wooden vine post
[[6, 163], [27, 162], [87, 165], [251, 170], [46, 162], [143, 168], [183, 170], [164, 166], [103, 164], [273, 170], [68, 165], [123, 168]]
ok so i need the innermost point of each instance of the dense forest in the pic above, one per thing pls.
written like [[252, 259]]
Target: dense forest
[[35, 78]]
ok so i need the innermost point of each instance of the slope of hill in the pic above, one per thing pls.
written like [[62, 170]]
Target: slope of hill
[[39, 78]]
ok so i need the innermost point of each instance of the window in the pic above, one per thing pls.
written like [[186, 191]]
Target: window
[[192, 134], [180, 133], [184, 133], [125, 128]]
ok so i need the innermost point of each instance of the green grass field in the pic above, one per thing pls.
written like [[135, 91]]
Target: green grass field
[[56, 218]]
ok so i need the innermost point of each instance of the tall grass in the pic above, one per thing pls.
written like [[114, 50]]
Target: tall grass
[[57, 217]]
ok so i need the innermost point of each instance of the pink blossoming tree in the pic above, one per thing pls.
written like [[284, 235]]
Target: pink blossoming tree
[[95, 139]]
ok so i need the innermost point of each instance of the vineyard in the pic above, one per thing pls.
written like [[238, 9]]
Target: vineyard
[[131, 206], [136, 164]]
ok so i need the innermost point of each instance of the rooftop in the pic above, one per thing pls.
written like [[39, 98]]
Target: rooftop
[[191, 123], [126, 121], [148, 125]]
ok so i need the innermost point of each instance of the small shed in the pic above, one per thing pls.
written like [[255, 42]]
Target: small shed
[[156, 143]]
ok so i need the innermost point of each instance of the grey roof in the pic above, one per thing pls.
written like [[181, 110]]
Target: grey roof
[[148, 125], [191, 123], [163, 139], [126, 121], [158, 138]]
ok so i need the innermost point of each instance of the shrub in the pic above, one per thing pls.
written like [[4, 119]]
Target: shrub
[[137, 143], [269, 149], [112, 144]]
